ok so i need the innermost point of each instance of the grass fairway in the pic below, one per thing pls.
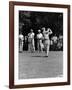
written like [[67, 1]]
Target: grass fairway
[[36, 65]]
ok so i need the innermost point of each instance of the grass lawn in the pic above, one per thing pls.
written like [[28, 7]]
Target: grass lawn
[[36, 65]]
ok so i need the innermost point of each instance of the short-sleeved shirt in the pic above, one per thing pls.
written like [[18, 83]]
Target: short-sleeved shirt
[[21, 37], [39, 36], [54, 39], [31, 35]]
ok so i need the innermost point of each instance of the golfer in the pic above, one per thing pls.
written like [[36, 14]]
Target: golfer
[[46, 34]]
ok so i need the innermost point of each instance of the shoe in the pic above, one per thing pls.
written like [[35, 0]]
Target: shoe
[[46, 56]]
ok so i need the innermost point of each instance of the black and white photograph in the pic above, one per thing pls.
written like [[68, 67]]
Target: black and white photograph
[[40, 44]]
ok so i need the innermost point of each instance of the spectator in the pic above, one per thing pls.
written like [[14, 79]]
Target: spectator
[[21, 38], [54, 39], [39, 41], [31, 43], [60, 42]]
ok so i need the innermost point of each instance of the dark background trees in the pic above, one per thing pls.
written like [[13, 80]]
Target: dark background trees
[[37, 20]]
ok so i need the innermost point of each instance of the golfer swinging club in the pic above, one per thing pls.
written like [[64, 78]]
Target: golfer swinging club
[[46, 34]]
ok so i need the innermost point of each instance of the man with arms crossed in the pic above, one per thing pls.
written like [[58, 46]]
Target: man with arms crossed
[[31, 43], [39, 41]]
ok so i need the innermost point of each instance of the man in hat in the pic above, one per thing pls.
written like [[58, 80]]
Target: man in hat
[[46, 34], [31, 43], [39, 41]]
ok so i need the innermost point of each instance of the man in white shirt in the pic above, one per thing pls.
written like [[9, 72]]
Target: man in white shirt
[[31, 43], [46, 34], [60, 42], [54, 39], [21, 38], [39, 41]]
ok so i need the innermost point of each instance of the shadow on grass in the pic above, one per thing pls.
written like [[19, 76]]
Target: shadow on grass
[[39, 56]]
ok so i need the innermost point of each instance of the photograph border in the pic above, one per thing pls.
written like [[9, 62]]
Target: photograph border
[[11, 44]]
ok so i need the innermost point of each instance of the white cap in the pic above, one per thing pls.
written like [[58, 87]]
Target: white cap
[[39, 30]]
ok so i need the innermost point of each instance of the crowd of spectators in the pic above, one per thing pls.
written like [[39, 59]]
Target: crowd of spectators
[[37, 20]]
